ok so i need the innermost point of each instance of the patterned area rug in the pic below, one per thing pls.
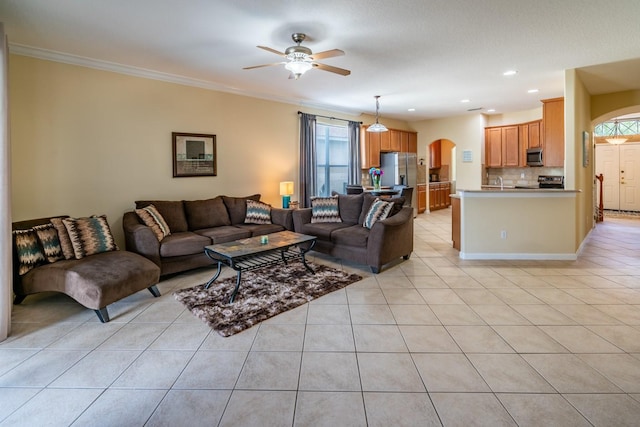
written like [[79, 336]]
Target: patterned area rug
[[263, 294]]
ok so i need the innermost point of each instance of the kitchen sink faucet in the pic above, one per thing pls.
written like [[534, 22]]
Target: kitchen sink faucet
[[499, 178]]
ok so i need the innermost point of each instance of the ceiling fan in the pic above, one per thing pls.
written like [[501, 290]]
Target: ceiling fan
[[300, 59]]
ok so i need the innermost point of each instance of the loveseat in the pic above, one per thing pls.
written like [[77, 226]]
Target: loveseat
[[189, 226], [346, 236], [77, 257]]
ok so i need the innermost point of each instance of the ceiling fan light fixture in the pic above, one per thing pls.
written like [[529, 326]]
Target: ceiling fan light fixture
[[616, 138], [298, 68], [377, 126]]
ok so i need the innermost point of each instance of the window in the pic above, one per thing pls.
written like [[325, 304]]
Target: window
[[332, 159]]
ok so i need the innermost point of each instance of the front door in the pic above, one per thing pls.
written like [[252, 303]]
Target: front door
[[629, 177], [608, 164]]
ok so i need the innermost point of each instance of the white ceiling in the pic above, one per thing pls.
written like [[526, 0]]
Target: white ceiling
[[422, 54]]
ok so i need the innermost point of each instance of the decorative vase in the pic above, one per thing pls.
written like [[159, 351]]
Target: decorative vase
[[375, 179]]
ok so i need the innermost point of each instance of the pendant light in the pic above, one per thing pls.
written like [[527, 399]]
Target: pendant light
[[617, 137], [377, 127]]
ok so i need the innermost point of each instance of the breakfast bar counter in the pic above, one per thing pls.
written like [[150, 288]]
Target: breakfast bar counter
[[513, 223]]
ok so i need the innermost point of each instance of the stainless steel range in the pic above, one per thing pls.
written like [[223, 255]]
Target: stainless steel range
[[551, 181]]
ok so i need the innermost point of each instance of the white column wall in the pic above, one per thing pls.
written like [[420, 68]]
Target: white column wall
[[6, 288]]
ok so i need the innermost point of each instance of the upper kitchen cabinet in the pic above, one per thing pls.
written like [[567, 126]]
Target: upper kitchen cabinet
[[435, 154], [374, 143], [529, 136], [412, 141], [370, 148], [501, 146], [395, 143], [385, 141], [553, 132]]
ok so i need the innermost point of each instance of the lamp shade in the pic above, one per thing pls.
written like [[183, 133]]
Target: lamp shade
[[286, 188]]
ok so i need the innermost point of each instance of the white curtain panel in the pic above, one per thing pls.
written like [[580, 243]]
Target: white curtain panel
[[6, 288]]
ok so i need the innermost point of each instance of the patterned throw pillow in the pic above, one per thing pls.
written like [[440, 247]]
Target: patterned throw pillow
[[379, 210], [63, 237], [257, 213], [152, 219], [324, 209], [48, 236], [28, 250], [90, 236]]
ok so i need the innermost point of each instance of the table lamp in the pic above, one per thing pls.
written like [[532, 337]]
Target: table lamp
[[286, 190]]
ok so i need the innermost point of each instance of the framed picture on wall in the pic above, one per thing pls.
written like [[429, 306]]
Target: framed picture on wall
[[585, 149], [194, 154]]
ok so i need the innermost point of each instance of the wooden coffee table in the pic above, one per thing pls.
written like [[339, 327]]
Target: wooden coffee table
[[253, 253]]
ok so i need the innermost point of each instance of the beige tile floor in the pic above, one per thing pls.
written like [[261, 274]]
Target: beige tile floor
[[430, 341]]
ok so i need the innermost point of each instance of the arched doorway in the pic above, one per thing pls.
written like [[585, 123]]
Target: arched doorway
[[618, 165], [441, 173]]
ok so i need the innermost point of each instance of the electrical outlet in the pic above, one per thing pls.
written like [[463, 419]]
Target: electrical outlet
[[522, 175], [503, 234]]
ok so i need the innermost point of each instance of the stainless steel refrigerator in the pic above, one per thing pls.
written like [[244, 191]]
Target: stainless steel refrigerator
[[399, 169]]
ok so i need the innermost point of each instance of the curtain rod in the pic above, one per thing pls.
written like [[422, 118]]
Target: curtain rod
[[329, 117]]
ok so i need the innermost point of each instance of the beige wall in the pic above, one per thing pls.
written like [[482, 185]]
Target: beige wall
[[484, 215], [579, 176], [467, 133], [88, 142], [609, 105], [515, 117]]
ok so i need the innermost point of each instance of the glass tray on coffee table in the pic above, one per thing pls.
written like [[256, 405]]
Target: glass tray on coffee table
[[254, 252]]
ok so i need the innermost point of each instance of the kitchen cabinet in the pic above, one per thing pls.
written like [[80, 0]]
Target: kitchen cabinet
[[395, 137], [553, 132], [455, 222], [412, 141], [439, 195], [435, 154], [502, 146], [374, 143], [385, 141], [422, 197], [370, 148], [529, 137]]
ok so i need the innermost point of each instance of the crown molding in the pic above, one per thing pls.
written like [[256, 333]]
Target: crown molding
[[114, 67]]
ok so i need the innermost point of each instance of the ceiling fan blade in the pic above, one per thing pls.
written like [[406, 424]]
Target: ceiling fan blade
[[268, 49], [336, 70], [326, 54], [263, 65]]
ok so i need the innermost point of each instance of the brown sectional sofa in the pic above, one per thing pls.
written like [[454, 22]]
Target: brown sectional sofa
[[94, 281], [387, 240], [194, 225]]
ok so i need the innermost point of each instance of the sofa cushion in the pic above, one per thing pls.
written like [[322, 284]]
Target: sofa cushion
[[90, 235], [356, 235], [225, 233], [257, 213], [368, 200], [322, 230], [237, 207], [63, 236], [154, 220], [28, 249], [49, 241], [206, 213], [171, 211], [183, 243], [350, 207], [378, 211], [261, 229], [325, 209]]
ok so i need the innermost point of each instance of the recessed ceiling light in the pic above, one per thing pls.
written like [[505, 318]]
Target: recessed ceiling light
[[465, 100], [411, 109], [491, 110], [510, 73], [532, 91]]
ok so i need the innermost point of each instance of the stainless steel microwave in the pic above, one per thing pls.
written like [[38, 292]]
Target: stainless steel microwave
[[534, 157]]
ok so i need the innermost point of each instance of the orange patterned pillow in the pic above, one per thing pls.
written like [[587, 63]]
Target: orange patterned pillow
[[152, 219]]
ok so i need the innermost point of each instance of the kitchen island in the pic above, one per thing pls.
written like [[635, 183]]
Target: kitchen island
[[515, 223]]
